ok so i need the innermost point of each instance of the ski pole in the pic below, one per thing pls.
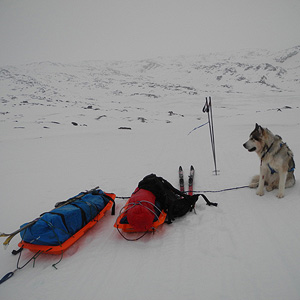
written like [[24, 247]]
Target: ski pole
[[207, 108]]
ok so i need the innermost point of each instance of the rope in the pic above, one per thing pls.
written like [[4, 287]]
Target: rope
[[61, 257], [223, 190], [197, 127], [7, 276], [206, 191], [131, 205], [11, 274], [131, 240], [125, 209], [32, 258], [59, 242]]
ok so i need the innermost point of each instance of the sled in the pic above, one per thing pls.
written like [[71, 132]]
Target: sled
[[59, 249], [122, 223]]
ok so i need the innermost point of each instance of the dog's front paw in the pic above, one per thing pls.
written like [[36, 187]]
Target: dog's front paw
[[260, 192], [280, 195], [269, 188], [254, 182], [253, 185]]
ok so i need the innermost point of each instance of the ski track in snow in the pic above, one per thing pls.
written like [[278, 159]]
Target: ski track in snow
[[246, 248]]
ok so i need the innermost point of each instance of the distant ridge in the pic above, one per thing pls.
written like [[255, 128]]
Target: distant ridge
[[245, 71]]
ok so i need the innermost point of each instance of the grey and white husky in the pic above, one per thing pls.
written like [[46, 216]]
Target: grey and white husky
[[276, 161]]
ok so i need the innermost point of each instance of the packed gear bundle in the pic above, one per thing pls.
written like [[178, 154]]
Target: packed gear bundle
[[154, 202], [58, 229], [55, 231]]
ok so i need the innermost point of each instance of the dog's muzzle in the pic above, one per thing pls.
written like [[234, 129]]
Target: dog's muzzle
[[251, 149]]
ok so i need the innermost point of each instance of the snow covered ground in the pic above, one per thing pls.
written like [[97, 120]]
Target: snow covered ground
[[60, 134]]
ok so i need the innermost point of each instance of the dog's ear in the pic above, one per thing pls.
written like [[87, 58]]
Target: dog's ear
[[258, 128]]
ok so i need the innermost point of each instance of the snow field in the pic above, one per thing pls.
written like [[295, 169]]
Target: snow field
[[246, 248]]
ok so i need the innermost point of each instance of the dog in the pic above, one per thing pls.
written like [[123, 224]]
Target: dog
[[276, 161]]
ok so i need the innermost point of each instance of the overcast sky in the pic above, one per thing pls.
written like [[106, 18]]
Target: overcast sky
[[74, 30]]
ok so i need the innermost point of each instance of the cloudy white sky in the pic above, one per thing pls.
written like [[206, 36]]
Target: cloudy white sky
[[74, 30]]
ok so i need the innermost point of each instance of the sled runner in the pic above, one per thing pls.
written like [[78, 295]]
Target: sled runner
[[57, 230]]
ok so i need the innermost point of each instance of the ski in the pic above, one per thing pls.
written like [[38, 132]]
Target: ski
[[181, 180], [191, 181], [57, 205]]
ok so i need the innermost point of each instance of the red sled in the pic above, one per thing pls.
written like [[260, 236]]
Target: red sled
[[133, 215]]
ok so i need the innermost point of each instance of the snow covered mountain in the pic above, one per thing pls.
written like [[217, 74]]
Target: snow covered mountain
[[88, 85], [250, 70]]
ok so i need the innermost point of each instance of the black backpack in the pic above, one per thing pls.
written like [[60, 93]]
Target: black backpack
[[174, 202]]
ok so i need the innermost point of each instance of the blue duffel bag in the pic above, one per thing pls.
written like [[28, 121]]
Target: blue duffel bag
[[58, 225]]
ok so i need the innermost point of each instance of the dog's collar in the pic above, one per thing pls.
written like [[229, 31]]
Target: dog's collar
[[267, 151]]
